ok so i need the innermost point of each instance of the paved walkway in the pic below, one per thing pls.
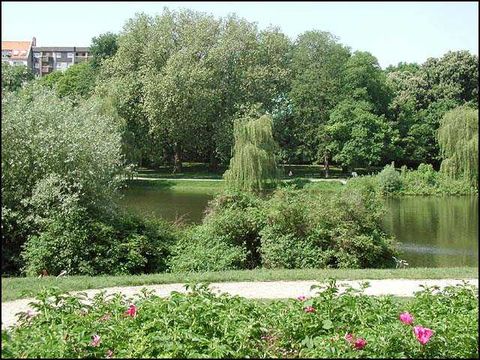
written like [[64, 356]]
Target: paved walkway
[[253, 290], [343, 181]]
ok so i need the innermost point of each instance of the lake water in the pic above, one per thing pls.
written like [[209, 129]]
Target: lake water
[[431, 231]]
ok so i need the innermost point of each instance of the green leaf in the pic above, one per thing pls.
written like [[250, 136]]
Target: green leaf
[[327, 324]]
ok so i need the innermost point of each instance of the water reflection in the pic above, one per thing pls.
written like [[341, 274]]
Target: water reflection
[[435, 231]]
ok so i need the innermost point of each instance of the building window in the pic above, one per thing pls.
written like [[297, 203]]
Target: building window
[[58, 55], [36, 55], [70, 55], [37, 65]]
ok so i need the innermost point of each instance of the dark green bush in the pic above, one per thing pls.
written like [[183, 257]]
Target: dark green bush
[[338, 231], [82, 244], [228, 238], [200, 250], [290, 229], [201, 324]]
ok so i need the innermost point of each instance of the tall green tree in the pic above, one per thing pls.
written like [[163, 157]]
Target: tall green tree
[[103, 47], [422, 95], [318, 64], [458, 141], [253, 166], [358, 137], [364, 80], [55, 156]]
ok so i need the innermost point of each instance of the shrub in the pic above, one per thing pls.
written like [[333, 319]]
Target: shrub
[[291, 229], [389, 180], [201, 324], [199, 250], [227, 239], [54, 157], [426, 181], [83, 245], [423, 181], [341, 231]]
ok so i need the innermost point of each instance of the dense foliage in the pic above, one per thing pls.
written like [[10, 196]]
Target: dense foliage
[[290, 229], [331, 324], [77, 81], [328, 104], [81, 244], [60, 173], [423, 181], [56, 159], [103, 47], [14, 77]]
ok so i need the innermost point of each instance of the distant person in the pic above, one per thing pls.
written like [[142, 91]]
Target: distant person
[[290, 173], [354, 174]]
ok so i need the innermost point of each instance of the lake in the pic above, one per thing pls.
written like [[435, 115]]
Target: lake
[[431, 231]]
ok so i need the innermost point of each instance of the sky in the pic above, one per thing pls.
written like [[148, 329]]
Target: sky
[[391, 31]]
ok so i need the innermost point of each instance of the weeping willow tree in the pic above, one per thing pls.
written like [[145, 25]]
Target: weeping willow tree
[[458, 141], [253, 166]]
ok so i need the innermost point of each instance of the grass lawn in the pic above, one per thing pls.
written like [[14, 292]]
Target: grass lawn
[[16, 288], [201, 171], [204, 187], [213, 187]]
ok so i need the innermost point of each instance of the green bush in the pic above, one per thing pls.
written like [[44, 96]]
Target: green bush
[[290, 229], [389, 180], [200, 250], [56, 158], [227, 239], [339, 231], [423, 181], [202, 324], [80, 244]]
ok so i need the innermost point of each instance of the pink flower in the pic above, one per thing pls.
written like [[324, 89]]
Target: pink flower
[[360, 343], [406, 318], [422, 334], [302, 298], [309, 309], [132, 311], [349, 337], [95, 340], [109, 354]]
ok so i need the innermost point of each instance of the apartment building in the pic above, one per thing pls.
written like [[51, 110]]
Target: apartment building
[[18, 52], [47, 59]]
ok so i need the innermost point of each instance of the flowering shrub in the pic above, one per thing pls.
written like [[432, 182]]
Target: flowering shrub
[[202, 324]]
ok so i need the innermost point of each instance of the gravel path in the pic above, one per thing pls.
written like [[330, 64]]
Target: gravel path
[[253, 290]]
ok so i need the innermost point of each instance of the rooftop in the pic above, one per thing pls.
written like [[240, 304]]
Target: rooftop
[[59, 48], [19, 49]]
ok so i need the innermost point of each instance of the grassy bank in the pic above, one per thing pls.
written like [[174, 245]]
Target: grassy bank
[[202, 171], [16, 288], [204, 187], [215, 186]]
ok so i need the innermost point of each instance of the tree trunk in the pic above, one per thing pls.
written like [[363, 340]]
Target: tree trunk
[[326, 166], [213, 165], [177, 159]]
